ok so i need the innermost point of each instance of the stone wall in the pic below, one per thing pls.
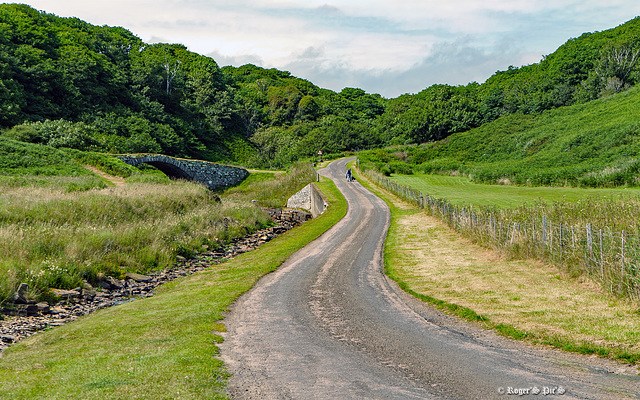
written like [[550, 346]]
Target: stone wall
[[288, 217], [301, 200], [210, 174]]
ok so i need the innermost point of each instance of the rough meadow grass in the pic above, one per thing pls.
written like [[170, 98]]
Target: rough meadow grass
[[50, 237]]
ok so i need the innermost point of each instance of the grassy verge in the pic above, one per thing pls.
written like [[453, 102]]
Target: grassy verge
[[162, 347], [521, 299]]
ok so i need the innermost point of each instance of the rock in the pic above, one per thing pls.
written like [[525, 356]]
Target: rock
[[114, 283], [57, 311], [43, 307], [23, 288], [9, 311], [88, 294], [19, 297], [30, 309], [7, 338], [66, 294], [139, 277]]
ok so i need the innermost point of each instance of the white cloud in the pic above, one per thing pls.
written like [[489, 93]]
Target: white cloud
[[386, 46]]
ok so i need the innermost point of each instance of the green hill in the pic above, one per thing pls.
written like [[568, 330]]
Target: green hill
[[67, 83], [591, 144]]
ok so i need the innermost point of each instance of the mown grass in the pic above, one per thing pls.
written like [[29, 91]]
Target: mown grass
[[461, 191], [162, 347], [520, 299]]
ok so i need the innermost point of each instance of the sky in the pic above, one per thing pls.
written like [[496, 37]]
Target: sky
[[389, 47]]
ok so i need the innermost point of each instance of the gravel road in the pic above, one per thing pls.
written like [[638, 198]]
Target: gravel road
[[329, 325]]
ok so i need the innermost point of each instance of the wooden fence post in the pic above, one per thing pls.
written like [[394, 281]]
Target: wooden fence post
[[533, 231], [624, 237], [589, 240], [561, 241], [601, 257]]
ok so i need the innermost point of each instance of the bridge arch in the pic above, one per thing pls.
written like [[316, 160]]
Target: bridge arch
[[210, 174]]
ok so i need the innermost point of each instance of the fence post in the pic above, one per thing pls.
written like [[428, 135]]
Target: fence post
[[533, 231], [601, 257], [561, 241], [492, 224], [544, 229], [589, 240], [514, 232], [624, 237]]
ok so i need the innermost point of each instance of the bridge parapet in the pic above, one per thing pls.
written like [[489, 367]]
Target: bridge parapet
[[210, 174]]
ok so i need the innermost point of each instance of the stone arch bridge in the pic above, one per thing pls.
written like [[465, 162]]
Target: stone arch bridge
[[210, 174]]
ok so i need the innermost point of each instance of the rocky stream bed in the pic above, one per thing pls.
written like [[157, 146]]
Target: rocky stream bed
[[23, 318]]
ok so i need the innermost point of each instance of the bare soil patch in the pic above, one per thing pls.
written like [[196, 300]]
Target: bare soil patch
[[116, 180]]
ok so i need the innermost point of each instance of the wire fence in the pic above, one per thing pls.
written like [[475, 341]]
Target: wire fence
[[609, 258]]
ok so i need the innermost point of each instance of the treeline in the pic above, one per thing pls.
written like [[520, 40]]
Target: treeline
[[66, 83], [594, 144], [76, 85]]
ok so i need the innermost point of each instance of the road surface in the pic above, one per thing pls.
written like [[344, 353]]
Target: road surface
[[330, 325]]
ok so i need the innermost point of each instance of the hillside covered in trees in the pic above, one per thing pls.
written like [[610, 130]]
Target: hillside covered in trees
[[67, 83]]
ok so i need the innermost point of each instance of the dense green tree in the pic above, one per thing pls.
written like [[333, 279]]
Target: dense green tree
[[67, 83]]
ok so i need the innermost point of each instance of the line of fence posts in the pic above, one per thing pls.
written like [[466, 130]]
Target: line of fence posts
[[613, 260]]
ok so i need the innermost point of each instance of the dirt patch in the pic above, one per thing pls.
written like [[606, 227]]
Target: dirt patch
[[116, 180]]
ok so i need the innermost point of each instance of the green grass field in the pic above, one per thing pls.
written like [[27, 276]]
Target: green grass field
[[162, 347], [461, 191]]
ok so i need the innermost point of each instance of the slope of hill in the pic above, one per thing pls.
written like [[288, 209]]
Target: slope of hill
[[102, 88], [591, 144], [67, 83]]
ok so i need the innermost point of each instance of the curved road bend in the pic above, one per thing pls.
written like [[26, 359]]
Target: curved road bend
[[329, 325]]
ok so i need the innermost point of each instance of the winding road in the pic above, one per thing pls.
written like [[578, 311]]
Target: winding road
[[328, 324]]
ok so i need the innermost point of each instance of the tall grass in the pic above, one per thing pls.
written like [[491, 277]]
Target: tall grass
[[273, 192], [50, 237], [53, 237], [60, 224]]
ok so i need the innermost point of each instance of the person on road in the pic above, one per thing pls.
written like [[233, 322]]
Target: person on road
[[349, 176]]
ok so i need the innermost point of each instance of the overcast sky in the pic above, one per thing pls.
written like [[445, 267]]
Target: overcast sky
[[388, 47]]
